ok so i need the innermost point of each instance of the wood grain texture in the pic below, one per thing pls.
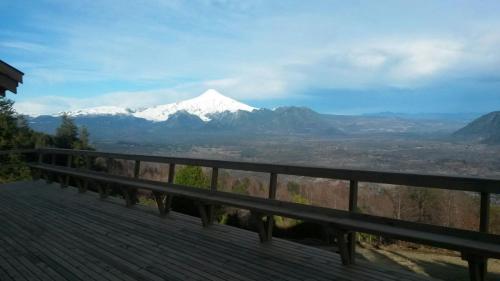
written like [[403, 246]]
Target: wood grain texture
[[471, 242], [53, 234]]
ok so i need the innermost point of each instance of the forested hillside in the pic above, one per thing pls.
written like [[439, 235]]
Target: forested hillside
[[16, 134]]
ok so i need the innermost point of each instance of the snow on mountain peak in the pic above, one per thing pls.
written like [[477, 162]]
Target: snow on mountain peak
[[212, 93], [210, 102], [99, 110]]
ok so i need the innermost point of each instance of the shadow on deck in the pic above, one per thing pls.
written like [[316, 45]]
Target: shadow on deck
[[48, 233]]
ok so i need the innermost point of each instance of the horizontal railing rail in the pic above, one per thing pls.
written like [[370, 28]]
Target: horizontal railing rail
[[18, 151], [6, 163], [475, 184], [484, 186]]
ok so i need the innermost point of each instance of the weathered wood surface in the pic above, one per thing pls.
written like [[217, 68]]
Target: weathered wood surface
[[470, 242], [48, 233]]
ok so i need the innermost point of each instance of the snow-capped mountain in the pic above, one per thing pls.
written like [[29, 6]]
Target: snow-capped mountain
[[203, 106], [99, 110], [208, 103]]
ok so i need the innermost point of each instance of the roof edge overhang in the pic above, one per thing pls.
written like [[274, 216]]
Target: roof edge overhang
[[10, 77]]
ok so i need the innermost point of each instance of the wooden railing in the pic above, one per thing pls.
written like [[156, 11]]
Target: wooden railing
[[482, 186]]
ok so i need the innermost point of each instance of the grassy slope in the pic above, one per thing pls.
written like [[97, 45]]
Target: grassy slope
[[430, 263]]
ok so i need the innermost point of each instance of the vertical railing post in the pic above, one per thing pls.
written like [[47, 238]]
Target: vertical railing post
[[109, 163], [484, 226], [69, 161], [273, 182], [88, 166], [215, 178], [484, 216], [269, 224], [171, 173], [88, 163], [478, 265], [50, 177], [137, 169], [353, 206], [207, 210], [40, 157], [36, 173], [128, 192], [131, 193], [165, 201]]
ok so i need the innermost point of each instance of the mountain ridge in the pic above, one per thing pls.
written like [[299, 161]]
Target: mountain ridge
[[208, 103], [485, 128]]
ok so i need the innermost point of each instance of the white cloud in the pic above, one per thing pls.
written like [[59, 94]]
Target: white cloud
[[256, 85], [50, 104], [368, 59], [23, 46], [424, 58]]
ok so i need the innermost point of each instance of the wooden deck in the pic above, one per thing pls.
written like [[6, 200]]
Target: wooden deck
[[48, 233]]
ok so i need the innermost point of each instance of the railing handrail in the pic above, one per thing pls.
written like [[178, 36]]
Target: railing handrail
[[17, 151], [474, 184]]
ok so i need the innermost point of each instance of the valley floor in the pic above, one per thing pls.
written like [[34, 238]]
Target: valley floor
[[389, 153], [429, 263]]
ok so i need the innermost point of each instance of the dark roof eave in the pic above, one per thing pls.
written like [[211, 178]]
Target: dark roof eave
[[11, 72]]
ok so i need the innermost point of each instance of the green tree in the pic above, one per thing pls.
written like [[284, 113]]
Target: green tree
[[14, 130], [67, 133], [241, 187], [192, 176], [423, 199], [14, 134], [293, 187], [83, 141], [284, 222], [43, 140], [8, 126]]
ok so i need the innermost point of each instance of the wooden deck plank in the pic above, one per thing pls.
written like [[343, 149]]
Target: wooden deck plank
[[25, 258], [237, 243], [94, 227], [81, 230], [79, 237], [68, 243], [137, 237], [252, 238], [303, 277]]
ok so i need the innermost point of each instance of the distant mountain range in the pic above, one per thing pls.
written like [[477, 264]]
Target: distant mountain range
[[214, 114], [209, 103], [484, 129], [460, 116]]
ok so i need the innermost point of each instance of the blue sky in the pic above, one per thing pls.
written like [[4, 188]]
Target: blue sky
[[345, 57]]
